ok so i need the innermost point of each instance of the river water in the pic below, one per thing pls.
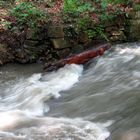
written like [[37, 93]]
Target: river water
[[97, 101]]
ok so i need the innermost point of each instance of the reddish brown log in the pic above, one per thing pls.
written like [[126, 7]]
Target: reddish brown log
[[78, 58]]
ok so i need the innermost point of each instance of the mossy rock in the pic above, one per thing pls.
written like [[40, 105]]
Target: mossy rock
[[3, 46], [134, 30], [5, 55], [33, 34], [55, 32], [134, 15], [136, 7], [63, 53], [118, 36], [135, 23], [31, 42], [60, 43]]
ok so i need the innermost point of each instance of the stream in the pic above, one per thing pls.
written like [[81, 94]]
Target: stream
[[97, 101]]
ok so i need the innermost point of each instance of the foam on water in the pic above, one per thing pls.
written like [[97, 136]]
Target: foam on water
[[29, 94], [25, 127], [23, 104], [135, 51]]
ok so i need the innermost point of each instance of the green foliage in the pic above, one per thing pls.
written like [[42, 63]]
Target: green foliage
[[75, 7], [104, 5], [26, 14], [70, 6], [90, 33], [96, 32], [83, 22], [84, 7], [81, 11], [86, 16], [5, 24], [34, 56], [93, 14], [117, 1], [104, 17], [100, 31], [136, 7]]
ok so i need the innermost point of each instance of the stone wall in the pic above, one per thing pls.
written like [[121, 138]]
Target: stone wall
[[133, 25], [51, 43], [116, 30]]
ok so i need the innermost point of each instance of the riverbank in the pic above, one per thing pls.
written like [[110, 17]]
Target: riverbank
[[103, 100], [60, 31]]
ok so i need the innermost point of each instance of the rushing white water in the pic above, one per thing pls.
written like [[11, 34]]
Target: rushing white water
[[108, 90], [23, 103], [72, 104], [27, 127], [29, 94]]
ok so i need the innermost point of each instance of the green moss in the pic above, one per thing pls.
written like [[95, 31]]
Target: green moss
[[136, 7]]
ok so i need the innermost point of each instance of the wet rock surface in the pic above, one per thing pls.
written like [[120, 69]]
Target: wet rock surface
[[5, 55], [133, 24]]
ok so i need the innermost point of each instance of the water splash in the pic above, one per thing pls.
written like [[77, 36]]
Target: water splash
[[29, 94], [25, 127]]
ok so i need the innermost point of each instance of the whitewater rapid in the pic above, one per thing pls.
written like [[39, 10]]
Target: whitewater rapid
[[97, 101], [29, 94], [23, 104]]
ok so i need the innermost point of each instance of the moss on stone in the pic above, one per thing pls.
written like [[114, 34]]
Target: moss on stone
[[136, 7]]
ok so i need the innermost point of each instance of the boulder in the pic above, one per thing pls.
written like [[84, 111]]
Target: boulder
[[134, 15], [31, 42], [33, 34], [109, 29], [134, 30], [117, 36], [77, 49], [136, 7], [135, 22], [83, 38], [5, 55], [63, 53], [21, 56], [60, 43], [137, 15], [55, 32]]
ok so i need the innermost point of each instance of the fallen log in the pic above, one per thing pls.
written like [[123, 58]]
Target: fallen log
[[80, 58]]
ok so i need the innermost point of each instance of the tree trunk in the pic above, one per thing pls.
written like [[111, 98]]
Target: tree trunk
[[78, 58]]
